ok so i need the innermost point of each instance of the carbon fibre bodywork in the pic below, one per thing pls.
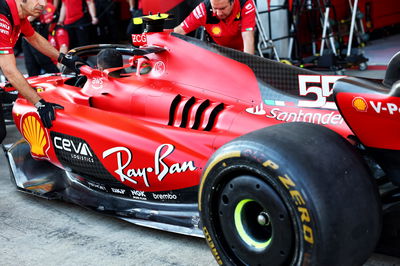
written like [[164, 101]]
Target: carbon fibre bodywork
[[135, 146]]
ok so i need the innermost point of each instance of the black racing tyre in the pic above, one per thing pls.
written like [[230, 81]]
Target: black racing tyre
[[290, 194]]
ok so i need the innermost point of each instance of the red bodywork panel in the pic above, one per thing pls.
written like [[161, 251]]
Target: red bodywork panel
[[155, 131], [374, 118]]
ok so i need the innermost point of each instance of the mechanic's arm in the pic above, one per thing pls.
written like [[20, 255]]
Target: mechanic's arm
[[92, 11], [43, 46], [131, 4], [179, 29], [62, 14], [56, 3], [8, 65], [248, 41]]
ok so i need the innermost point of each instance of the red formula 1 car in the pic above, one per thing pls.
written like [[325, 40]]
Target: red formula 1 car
[[203, 140]]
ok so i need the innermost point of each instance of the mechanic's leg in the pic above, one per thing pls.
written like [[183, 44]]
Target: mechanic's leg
[[73, 40], [83, 33], [44, 62], [31, 65]]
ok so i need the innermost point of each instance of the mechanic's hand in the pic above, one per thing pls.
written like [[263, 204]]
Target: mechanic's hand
[[47, 112], [72, 62]]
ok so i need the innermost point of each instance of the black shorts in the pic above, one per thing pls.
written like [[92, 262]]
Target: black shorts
[[5, 97], [3, 131]]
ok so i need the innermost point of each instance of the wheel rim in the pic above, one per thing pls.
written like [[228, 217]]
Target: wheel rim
[[253, 224]]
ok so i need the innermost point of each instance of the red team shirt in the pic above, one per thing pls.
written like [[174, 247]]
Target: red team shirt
[[74, 10], [227, 32], [10, 31]]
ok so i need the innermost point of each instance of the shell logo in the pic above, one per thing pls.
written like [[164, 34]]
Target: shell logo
[[216, 31], [33, 132], [360, 104]]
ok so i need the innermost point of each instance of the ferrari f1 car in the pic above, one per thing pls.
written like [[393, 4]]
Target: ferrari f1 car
[[272, 164]]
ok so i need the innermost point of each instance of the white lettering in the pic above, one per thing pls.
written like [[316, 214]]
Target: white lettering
[[392, 108], [118, 190], [66, 144], [321, 92], [161, 167], [165, 196], [121, 167], [300, 116], [377, 107]]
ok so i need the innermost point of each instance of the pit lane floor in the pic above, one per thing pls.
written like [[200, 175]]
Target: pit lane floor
[[36, 231]]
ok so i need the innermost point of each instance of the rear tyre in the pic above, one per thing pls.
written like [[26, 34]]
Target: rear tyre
[[289, 194]]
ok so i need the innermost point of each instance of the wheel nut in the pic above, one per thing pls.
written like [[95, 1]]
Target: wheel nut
[[263, 219]]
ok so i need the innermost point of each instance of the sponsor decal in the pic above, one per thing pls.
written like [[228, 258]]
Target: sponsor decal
[[159, 69], [380, 107], [297, 115], [119, 191], [5, 26], [35, 134], [300, 115], [198, 12], [216, 31], [78, 150], [360, 104], [319, 86], [4, 52], [237, 16], [136, 194], [97, 186], [160, 168], [249, 6], [298, 198], [97, 83], [139, 39], [167, 196], [257, 110], [211, 244]]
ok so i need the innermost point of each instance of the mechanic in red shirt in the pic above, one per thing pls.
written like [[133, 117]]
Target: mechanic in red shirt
[[13, 21], [58, 38], [230, 23], [35, 62], [77, 16]]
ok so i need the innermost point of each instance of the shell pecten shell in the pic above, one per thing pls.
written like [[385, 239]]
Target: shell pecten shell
[[35, 135]]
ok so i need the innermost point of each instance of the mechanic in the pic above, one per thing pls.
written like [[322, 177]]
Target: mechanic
[[136, 9], [37, 63], [58, 38], [230, 23], [110, 58], [13, 21], [77, 16]]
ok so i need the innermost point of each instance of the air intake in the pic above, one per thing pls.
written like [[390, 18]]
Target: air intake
[[193, 113]]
